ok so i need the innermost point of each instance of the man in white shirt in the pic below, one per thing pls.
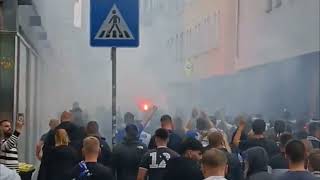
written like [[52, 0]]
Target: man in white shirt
[[214, 165], [6, 173]]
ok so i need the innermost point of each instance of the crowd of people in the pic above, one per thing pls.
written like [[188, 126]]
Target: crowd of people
[[200, 150]]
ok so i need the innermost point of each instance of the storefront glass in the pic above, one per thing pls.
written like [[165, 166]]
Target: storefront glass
[[7, 66]]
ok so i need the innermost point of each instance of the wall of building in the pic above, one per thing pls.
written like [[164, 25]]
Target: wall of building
[[273, 33], [212, 44], [292, 83], [21, 50]]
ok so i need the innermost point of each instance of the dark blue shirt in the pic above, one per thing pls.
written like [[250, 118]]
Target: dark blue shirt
[[121, 133], [297, 175]]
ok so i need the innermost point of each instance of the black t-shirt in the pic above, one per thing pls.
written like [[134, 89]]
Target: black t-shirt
[[97, 171], [131, 152], [270, 146], [297, 175], [155, 162], [184, 169], [279, 162], [61, 161]]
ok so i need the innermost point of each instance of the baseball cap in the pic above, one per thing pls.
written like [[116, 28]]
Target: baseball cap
[[190, 144]]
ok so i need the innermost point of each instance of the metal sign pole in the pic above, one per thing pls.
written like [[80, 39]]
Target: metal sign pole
[[114, 93]]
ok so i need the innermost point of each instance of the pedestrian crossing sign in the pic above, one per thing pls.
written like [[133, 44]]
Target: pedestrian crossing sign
[[114, 23]]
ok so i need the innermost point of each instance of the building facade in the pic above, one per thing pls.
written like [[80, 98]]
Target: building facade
[[21, 44], [214, 45]]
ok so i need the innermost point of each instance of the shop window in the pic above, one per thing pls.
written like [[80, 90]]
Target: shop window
[[1, 15], [7, 55]]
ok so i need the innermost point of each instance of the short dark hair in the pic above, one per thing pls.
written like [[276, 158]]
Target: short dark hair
[[279, 126], [162, 134], [295, 151], [190, 144], [214, 158], [259, 126], [129, 118], [5, 120], [285, 138], [314, 159], [92, 128], [202, 124], [166, 119], [131, 130], [314, 127]]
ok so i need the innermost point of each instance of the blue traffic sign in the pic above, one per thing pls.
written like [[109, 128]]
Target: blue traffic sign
[[114, 23]]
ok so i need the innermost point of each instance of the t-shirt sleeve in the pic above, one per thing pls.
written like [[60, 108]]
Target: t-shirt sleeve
[[174, 155], [145, 161], [43, 137]]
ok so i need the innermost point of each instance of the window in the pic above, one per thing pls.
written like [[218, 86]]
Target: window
[[1, 15], [7, 56]]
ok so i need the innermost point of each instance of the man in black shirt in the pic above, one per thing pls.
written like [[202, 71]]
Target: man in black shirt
[[279, 161], [127, 155], [258, 139], [75, 134], [174, 139], [104, 158], [90, 169], [296, 153], [154, 163], [187, 166]]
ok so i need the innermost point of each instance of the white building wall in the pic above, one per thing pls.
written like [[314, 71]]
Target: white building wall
[[286, 31]]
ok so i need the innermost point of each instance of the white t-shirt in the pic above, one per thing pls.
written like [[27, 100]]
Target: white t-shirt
[[7, 174], [215, 178]]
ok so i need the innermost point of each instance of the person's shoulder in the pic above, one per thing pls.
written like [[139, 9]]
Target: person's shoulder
[[175, 136], [262, 175], [104, 143], [102, 170], [233, 158], [305, 175], [271, 142], [142, 146], [102, 167], [7, 173], [150, 151], [118, 147], [170, 151]]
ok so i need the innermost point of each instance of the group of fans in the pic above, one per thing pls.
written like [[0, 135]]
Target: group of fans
[[198, 151]]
